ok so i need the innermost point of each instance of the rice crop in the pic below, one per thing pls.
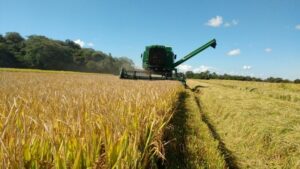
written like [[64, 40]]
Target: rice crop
[[75, 120], [82, 120]]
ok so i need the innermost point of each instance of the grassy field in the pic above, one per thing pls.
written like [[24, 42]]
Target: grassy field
[[257, 124], [75, 120]]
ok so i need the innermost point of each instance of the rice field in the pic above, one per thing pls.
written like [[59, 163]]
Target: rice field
[[51, 119], [259, 123], [82, 120]]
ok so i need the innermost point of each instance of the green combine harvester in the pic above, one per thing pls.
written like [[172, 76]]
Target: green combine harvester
[[158, 63]]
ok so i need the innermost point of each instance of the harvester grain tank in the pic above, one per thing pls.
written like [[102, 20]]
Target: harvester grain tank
[[158, 63]]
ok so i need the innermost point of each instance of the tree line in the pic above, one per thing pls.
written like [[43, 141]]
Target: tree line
[[41, 52], [212, 75]]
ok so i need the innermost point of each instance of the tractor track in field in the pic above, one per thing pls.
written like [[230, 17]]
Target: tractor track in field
[[177, 153], [226, 153]]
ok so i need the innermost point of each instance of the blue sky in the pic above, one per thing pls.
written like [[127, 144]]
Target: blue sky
[[255, 37]]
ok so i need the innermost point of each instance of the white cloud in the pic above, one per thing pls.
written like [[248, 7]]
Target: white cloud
[[215, 22], [90, 44], [80, 42], [247, 67], [232, 23], [268, 50], [202, 68], [234, 52], [297, 27], [218, 21], [185, 68]]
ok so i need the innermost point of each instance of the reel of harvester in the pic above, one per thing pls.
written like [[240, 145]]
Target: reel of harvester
[[158, 63]]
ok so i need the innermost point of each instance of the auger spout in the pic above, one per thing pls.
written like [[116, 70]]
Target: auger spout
[[211, 43]]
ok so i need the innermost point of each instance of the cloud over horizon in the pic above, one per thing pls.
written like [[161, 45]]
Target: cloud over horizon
[[80, 42], [202, 68], [247, 67]]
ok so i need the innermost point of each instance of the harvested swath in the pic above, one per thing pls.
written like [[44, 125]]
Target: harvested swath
[[259, 130]]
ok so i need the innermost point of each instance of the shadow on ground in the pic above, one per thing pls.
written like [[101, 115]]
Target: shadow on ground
[[175, 133], [227, 154], [174, 137]]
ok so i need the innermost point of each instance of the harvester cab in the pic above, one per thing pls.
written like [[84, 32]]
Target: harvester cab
[[159, 63]]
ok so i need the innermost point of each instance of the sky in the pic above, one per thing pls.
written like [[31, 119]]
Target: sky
[[259, 38]]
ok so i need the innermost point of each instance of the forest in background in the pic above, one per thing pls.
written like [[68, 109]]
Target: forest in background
[[41, 52], [212, 75]]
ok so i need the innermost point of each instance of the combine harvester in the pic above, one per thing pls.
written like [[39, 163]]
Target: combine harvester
[[158, 63]]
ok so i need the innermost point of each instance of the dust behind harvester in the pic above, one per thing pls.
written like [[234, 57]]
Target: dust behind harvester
[[159, 63]]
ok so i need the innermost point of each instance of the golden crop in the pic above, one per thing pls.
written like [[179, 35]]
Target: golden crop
[[82, 120], [79, 120]]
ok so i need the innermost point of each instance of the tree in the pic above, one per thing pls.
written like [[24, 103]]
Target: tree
[[297, 81], [14, 44], [97, 56], [125, 63], [72, 44], [189, 74], [7, 59], [2, 39], [43, 53], [13, 38]]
